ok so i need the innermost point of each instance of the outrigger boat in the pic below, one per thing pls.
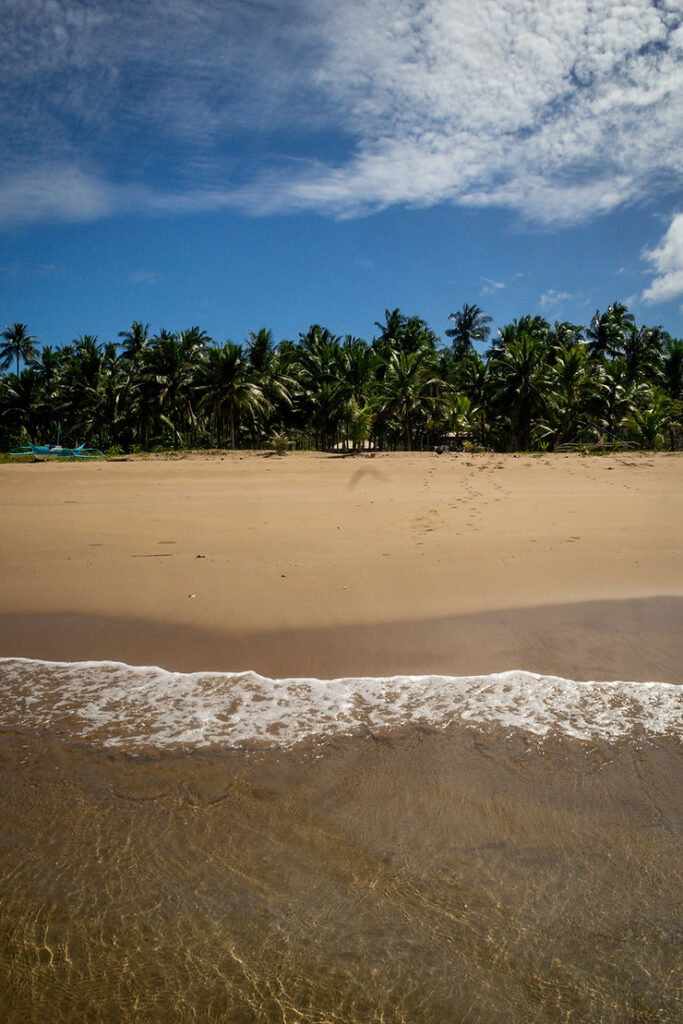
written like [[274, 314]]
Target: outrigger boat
[[47, 451]]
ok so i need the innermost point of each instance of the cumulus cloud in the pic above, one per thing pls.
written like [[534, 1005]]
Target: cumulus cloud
[[667, 260], [558, 111]]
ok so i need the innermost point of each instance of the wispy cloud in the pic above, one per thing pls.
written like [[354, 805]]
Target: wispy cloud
[[148, 277], [667, 260], [558, 111], [491, 287], [54, 193]]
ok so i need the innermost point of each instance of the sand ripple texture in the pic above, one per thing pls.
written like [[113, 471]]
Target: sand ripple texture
[[138, 708]]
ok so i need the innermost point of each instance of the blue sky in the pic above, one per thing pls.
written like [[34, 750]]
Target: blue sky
[[246, 164]]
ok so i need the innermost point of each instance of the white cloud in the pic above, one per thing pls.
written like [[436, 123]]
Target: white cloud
[[559, 111], [667, 260], [554, 300], [59, 193], [491, 287]]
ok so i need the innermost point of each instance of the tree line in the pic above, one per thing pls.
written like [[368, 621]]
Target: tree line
[[537, 387]]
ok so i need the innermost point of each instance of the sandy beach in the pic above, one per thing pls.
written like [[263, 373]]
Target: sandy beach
[[243, 850], [320, 565]]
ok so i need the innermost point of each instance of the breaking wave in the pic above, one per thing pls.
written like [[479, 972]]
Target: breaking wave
[[135, 708]]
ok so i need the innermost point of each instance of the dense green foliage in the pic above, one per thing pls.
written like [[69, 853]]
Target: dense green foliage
[[538, 387]]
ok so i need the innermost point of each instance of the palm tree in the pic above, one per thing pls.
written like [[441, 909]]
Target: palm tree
[[565, 335], [18, 345], [193, 340], [673, 368], [115, 393], [608, 330], [353, 379], [648, 424], [22, 400], [643, 352], [473, 381], [470, 325], [404, 334], [518, 384], [575, 379], [267, 367], [672, 379], [79, 391], [533, 326], [135, 341], [260, 350], [405, 390], [166, 375], [459, 416], [49, 368], [193, 343], [224, 382], [391, 332], [618, 399], [315, 371]]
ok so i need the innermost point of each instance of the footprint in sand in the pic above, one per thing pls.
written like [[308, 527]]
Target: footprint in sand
[[427, 523]]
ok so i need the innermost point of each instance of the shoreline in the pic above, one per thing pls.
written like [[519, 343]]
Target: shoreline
[[637, 640]]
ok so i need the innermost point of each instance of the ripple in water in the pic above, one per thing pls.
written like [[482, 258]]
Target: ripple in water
[[209, 848]]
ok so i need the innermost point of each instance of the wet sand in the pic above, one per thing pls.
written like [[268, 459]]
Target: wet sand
[[320, 565], [639, 640]]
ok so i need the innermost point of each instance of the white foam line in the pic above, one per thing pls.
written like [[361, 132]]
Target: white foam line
[[132, 707]]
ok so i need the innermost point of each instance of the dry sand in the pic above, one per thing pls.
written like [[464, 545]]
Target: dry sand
[[321, 565]]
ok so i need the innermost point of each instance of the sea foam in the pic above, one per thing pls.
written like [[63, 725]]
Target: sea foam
[[134, 708]]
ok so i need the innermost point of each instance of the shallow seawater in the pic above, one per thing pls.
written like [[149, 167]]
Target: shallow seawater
[[225, 848]]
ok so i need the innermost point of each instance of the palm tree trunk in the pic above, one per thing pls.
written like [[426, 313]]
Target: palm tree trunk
[[409, 446]]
